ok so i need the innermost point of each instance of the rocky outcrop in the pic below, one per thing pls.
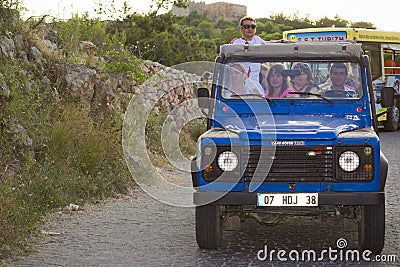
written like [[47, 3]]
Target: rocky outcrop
[[9, 18], [4, 90], [79, 82], [23, 144], [7, 46]]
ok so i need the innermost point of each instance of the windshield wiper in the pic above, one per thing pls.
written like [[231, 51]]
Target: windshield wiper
[[314, 94], [252, 94], [260, 96]]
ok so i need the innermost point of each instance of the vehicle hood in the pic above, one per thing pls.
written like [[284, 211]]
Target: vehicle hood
[[292, 127]]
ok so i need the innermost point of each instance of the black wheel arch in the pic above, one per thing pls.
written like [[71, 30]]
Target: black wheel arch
[[383, 170], [193, 170]]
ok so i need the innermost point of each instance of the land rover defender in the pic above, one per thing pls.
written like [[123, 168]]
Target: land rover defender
[[316, 150]]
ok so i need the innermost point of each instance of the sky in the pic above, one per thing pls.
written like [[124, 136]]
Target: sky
[[352, 10]]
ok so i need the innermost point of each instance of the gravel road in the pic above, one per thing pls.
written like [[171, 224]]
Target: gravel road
[[139, 231]]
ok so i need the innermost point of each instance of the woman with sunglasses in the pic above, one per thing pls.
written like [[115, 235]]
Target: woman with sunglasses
[[277, 82], [305, 81]]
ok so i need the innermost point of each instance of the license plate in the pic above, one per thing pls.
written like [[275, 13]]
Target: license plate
[[287, 200]]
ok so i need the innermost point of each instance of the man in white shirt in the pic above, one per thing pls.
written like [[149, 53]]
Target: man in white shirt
[[248, 30]]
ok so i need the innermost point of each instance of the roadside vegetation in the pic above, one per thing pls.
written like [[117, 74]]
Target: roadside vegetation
[[53, 149]]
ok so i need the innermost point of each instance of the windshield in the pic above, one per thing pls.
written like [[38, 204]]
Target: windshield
[[292, 79]]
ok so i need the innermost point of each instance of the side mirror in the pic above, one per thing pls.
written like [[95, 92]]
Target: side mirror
[[203, 98], [387, 97]]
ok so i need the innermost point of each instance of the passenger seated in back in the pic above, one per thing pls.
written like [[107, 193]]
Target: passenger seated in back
[[305, 81], [339, 75], [353, 79], [239, 85], [277, 82]]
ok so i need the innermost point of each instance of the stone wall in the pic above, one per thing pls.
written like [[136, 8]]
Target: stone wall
[[165, 89], [171, 89]]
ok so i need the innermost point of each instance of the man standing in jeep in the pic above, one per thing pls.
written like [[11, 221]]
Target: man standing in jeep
[[248, 27], [248, 30]]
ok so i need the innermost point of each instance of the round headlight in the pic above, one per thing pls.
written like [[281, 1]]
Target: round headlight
[[349, 161], [227, 161]]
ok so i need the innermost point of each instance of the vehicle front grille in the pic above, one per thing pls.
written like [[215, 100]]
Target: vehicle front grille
[[289, 164]]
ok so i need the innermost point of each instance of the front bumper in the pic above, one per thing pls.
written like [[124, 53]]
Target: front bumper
[[324, 198]]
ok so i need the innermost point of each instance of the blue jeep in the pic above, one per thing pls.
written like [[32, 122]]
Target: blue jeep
[[309, 150]]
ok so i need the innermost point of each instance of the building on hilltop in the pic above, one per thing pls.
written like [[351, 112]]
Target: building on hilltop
[[225, 11], [214, 11], [199, 7]]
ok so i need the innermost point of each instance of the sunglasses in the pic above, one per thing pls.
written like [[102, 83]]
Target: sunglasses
[[247, 26], [301, 65]]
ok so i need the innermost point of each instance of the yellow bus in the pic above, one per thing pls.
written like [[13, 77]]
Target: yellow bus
[[383, 48]]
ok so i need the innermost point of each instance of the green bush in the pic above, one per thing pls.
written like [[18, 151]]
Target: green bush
[[73, 158], [153, 129], [189, 135], [122, 62]]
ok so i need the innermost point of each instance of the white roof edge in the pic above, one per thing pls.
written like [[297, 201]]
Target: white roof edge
[[339, 50]]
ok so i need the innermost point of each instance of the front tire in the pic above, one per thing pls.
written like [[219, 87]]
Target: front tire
[[371, 230], [208, 226], [392, 122]]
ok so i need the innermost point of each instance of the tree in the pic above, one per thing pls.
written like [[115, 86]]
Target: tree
[[207, 30], [193, 19], [111, 11], [171, 39], [161, 38], [327, 22], [362, 24], [157, 5], [11, 4], [229, 33]]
